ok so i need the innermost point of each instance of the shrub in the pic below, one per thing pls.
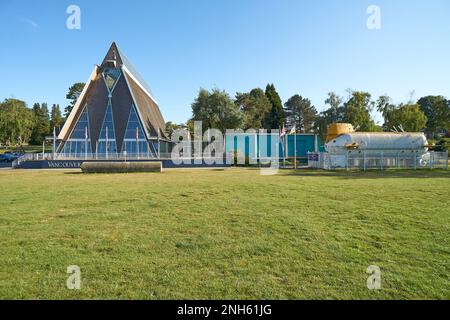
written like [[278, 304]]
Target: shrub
[[443, 145], [121, 167]]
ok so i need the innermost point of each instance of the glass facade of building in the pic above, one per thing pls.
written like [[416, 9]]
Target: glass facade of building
[[135, 142], [116, 115], [111, 76], [79, 142], [107, 140]]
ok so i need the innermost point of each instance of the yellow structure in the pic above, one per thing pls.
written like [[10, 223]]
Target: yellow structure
[[337, 129]]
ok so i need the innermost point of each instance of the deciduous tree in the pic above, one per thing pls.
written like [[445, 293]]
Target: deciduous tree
[[357, 111], [216, 110], [255, 107], [437, 111], [300, 113], [73, 94], [171, 127], [16, 122]]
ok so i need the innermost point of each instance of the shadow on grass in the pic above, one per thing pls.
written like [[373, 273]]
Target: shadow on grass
[[373, 174]]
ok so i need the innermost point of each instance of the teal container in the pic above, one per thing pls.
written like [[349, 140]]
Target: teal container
[[260, 145]]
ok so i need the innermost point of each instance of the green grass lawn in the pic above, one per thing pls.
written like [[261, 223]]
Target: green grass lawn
[[231, 234]]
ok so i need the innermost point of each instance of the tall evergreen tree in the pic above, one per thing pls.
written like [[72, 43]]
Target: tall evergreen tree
[[41, 126], [275, 118], [56, 119], [300, 113]]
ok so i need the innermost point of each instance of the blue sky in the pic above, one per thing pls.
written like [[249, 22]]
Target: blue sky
[[178, 46]]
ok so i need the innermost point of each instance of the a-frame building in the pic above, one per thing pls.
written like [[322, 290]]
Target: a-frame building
[[115, 112]]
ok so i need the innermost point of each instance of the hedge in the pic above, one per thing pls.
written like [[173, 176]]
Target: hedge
[[121, 167]]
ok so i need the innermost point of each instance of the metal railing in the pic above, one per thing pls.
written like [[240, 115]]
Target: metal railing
[[379, 161], [228, 158]]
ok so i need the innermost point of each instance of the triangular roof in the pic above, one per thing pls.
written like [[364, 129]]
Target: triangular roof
[[132, 90], [115, 54]]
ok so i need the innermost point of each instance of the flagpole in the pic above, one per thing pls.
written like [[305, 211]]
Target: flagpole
[[137, 142], [295, 150], [54, 142], [159, 147], [283, 132], [85, 142], [106, 144]]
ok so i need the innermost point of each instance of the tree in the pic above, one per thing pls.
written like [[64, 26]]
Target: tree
[[216, 110], [16, 122], [56, 119], [73, 94], [408, 117], [384, 106], [255, 107], [437, 111], [334, 114], [336, 111], [171, 127], [275, 118], [41, 126], [300, 113], [357, 111]]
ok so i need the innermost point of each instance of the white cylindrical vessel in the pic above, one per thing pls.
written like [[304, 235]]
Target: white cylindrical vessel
[[377, 142]]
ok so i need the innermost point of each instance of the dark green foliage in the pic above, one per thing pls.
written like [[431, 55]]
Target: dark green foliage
[[56, 119], [171, 127], [41, 127], [437, 111], [73, 94], [356, 110], [443, 145], [300, 113], [216, 110], [276, 117], [255, 106]]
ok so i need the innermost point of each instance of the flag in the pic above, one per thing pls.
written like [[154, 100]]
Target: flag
[[283, 132], [293, 130]]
